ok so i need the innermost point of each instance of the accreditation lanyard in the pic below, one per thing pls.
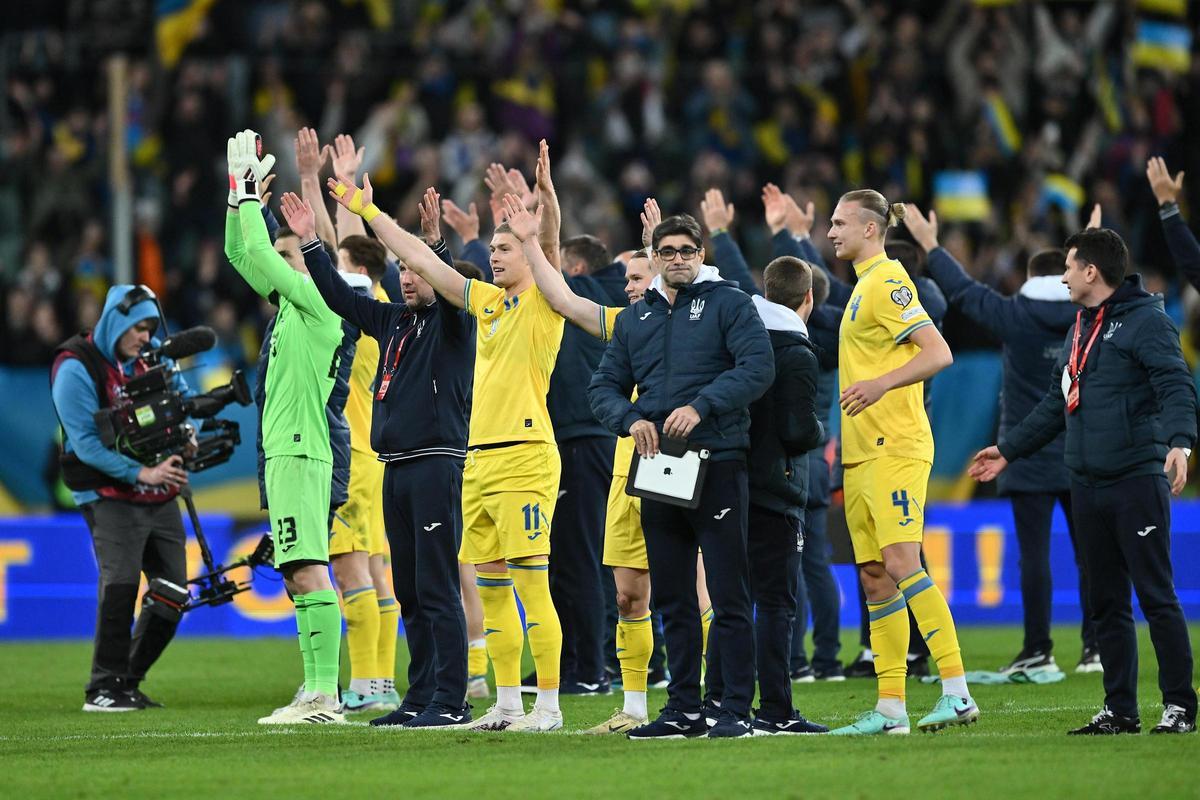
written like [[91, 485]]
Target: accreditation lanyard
[[1077, 363], [386, 378]]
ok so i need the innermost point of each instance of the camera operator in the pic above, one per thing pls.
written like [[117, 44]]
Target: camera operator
[[132, 514]]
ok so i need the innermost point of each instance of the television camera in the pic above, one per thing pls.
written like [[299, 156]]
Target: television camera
[[149, 421]]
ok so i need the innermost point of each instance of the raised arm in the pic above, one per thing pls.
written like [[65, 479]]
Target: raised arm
[[551, 227], [984, 305], [310, 158], [347, 161], [581, 311], [415, 254], [1185, 250], [366, 313]]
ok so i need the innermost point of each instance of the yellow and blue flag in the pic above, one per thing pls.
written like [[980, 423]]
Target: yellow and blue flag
[[1059, 190], [176, 23], [961, 196], [1174, 8], [1162, 45], [1003, 125]]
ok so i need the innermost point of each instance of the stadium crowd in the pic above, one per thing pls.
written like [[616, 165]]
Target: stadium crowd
[[636, 99]]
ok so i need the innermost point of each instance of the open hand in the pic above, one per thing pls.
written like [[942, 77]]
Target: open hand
[[651, 216], [346, 160], [799, 220], [775, 207], [430, 211], [716, 213], [349, 196], [522, 223], [924, 230], [310, 156], [987, 464], [1166, 189], [299, 216], [464, 223]]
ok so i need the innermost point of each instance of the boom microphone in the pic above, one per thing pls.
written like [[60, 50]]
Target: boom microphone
[[188, 343]]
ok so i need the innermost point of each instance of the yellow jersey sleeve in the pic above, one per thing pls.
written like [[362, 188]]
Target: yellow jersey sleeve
[[897, 306], [484, 301], [608, 320]]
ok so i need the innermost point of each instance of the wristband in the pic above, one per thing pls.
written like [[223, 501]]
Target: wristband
[[369, 212], [718, 231]]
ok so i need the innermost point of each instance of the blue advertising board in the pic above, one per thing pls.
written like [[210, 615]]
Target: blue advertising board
[[48, 573]]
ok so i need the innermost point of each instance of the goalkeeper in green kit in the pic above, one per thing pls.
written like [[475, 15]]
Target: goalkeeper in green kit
[[299, 464]]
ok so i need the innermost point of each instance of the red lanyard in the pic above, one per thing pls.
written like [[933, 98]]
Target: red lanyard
[[1075, 367], [387, 373]]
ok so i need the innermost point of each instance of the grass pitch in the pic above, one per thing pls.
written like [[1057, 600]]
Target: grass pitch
[[206, 742]]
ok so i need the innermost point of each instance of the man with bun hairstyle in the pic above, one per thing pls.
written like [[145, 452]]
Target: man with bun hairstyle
[[887, 348]]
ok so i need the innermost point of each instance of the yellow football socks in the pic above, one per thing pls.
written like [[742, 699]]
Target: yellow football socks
[[933, 617], [532, 582], [706, 618], [362, 632], [501, 626], [889, 642], [635, 641], [385, 654], [477, 658]]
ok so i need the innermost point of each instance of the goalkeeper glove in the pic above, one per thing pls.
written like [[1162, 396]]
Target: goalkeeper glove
[[248, 166]]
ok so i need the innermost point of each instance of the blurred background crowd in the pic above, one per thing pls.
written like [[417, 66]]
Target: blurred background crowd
[[1011, 118]]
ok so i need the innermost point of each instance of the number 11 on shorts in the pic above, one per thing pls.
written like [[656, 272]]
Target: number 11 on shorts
[[533, 520]]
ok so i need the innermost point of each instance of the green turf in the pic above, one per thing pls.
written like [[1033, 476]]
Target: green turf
[[206, 743]]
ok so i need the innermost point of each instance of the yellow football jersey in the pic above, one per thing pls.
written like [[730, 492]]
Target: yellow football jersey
[[623, 455], [884, 311], [362, 387], [516, 346]]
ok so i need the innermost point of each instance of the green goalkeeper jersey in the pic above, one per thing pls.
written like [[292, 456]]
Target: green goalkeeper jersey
[[304, 360]]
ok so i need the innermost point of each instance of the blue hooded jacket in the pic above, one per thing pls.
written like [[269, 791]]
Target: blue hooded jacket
[[1032, 325], [74, 392], [708, 349]]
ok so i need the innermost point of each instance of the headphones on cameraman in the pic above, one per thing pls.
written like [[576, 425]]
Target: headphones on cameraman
[[138, 294]]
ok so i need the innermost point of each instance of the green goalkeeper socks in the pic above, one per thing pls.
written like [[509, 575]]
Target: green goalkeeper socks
[[324, 627], [302, 635]]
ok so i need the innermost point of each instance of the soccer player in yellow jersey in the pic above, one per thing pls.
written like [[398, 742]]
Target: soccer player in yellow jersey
[[510, 482], [358, 545], [888, 347], [624, 544]]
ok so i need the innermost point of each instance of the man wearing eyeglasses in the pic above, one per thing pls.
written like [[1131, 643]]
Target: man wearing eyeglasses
[[698, 354]]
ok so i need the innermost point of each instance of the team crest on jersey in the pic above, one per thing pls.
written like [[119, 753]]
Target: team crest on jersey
[[902, 296], [1113, 327], [697, 309], [420, 328]]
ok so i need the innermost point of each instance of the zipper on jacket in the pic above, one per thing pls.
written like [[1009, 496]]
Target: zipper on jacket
[[667, 355]]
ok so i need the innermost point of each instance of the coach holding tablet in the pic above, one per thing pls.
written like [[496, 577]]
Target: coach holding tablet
[[1125, 396], [698, 354]]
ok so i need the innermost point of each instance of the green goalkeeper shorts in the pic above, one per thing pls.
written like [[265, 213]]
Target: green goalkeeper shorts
[[298, 503]]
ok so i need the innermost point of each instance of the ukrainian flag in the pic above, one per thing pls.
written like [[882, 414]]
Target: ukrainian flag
[[176, 23], [1059, 190], [961, 196], [1002, 123], [1175, 8], [1162, 45]]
